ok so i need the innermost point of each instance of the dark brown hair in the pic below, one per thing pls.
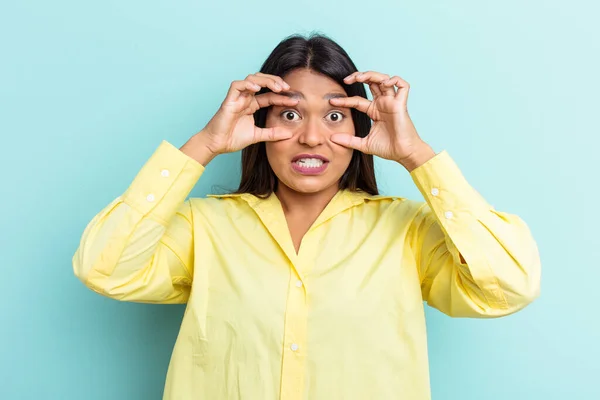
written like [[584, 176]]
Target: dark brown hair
[[321, 54]]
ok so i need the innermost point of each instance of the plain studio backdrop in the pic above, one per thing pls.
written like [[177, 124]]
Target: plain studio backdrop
[[88, 89]]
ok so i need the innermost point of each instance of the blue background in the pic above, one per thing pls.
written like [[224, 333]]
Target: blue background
[[88, 89]]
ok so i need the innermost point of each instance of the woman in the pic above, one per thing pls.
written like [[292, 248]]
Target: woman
[[305, 283]]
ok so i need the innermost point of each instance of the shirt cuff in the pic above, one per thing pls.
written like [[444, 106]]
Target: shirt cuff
[[446, 190], [163, 183]]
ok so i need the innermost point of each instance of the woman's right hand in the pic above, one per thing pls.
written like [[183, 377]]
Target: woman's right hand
[[232, 127]]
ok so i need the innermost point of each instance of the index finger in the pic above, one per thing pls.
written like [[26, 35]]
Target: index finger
[[358, 102], [369, 76], [274, 99], [276, 78]]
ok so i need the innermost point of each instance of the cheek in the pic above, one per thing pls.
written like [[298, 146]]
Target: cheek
[[342, 157], [345, 155], [275, 153], [347, 125]]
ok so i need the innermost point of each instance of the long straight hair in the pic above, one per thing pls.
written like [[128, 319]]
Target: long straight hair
[[321, 54]]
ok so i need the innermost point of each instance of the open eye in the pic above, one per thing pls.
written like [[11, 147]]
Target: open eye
[[288, 115], [336, 116]]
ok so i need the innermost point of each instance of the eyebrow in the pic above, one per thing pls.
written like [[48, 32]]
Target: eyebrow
[[298, 95]]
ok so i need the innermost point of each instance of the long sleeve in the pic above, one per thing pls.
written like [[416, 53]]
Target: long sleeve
[[140, 247], [473, 260]]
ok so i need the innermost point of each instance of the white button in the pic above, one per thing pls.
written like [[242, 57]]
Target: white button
[[150, 197], [298, 283], [294, 347], [435, 191], [165, 173], [449, 214]]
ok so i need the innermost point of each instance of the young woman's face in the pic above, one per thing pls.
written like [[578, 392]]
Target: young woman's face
[[309, 162]]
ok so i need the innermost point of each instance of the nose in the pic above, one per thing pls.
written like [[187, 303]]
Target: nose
[[312, 134]]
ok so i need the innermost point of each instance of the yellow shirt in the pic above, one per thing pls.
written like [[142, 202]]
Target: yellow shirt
[[343, 318]]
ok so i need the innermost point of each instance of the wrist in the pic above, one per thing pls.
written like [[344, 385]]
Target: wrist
[[421, 154], [198, 148]]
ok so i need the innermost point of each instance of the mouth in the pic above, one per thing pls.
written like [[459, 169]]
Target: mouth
[[309, 164]]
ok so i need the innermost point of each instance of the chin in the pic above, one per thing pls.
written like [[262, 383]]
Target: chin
[[308, 185]]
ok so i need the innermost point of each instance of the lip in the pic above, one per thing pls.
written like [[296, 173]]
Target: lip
[[309, 170]]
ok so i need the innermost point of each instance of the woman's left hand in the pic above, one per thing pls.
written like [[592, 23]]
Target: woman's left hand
[[393, 135]]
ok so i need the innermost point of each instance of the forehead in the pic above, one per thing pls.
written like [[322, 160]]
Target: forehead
[[312, 84]]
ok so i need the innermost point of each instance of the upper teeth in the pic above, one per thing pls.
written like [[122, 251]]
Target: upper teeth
[[310, 162]]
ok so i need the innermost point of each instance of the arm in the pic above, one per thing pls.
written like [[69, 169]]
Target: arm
[[473, 261], [140, 247]]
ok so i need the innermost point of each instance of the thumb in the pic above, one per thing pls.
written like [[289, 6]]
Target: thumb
[[271, 134], [350, 141]]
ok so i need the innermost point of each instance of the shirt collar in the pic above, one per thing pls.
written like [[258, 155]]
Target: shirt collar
[[342, 200], [270, 211]]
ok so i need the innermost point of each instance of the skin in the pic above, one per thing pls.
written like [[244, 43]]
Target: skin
[[312, 122], [313, 130]]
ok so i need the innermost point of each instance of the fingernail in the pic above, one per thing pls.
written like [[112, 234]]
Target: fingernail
[[277, 86], [286, 85]]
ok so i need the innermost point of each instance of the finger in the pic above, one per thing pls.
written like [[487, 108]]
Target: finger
[[388, 88], [271, 134], [237, 88], [350, 141], [367, 77], [276, 78], [377, 78], [403, 88], [265, 81], [374, 80], [375, 90], [274, 99], [358, 102], [351, 78]]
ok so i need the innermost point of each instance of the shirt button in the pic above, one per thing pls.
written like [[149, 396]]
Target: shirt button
[[165, 173], [298, 283], [449, 214], [150, 197], [435, 191], [294, 347]]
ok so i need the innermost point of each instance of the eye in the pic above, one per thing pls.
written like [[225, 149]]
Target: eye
[[336, 116], [288, 115]]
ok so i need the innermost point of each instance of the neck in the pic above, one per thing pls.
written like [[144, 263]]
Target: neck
[[294, 202]]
